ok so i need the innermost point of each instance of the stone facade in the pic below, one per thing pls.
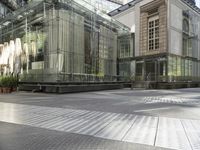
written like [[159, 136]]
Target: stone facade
[[160, 7]]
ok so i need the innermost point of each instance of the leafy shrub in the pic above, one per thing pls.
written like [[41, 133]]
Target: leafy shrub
[[8, 81], [0, 81]]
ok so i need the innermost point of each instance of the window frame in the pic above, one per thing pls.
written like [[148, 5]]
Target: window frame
[[153, 26]]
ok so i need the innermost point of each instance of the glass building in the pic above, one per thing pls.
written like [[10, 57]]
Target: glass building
[[60, 42], [106, 6]]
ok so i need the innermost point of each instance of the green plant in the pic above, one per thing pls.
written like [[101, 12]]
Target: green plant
[[0, 81], [14, 82], [9, 81], [5, 82]]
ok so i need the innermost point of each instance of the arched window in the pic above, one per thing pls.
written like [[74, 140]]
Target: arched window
[[186, 40], [186, 25]]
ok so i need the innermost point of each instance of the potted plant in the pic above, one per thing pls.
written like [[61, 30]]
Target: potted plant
[[1, 86], [14, 83], [6, 84]]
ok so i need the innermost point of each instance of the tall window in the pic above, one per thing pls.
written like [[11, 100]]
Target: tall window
[[186, 40], [124, 47], [153, 33]]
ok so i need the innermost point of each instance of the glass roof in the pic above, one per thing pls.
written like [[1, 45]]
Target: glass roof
[[81, 6]]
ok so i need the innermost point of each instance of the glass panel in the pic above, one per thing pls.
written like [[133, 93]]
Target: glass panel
[[139, 68], [170, 66], [179, 67], [124, 46]]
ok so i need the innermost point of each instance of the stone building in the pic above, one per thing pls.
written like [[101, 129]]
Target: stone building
[[166, 42]]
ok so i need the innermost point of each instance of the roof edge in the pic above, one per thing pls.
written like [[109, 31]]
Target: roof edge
[[134, 2]]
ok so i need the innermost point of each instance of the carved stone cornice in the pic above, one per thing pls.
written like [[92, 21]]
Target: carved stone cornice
[[152, 5]]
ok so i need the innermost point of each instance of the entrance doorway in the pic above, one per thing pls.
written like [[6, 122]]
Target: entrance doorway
[[151, 68]]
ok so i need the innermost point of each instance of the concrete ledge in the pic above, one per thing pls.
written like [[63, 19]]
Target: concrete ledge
[[86, 87], [177, 85], [165, 85], [68, 88]]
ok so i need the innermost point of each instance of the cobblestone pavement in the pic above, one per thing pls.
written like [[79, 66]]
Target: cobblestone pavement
[[118, 119]]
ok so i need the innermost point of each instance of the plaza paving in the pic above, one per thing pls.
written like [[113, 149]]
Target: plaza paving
[[116, 119]]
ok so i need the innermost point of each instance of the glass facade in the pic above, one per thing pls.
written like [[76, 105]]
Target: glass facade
[[183, 69], [124, 49], [126, 67], [171, 68], [60, 42]]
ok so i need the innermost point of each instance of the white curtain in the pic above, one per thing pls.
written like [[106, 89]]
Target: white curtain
[[26, 53], [18, 51], [18, 47], [1, 51], [11, 55], [5, 56], [33, 49]]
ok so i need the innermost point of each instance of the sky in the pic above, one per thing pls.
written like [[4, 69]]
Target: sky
[[198, 3]]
